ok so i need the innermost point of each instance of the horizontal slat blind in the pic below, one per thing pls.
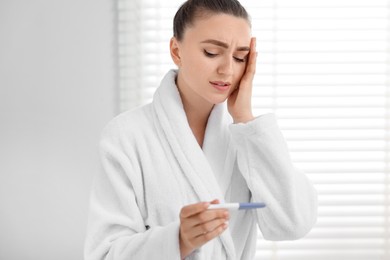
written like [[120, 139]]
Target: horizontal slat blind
[[324, 69]]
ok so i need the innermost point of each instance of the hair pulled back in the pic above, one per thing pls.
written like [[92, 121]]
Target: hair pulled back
[[193, 9]]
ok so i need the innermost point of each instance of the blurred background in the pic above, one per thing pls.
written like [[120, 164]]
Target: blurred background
[[57, 90], [68, 67]]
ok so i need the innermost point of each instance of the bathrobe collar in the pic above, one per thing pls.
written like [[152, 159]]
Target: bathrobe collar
[[189, 155]]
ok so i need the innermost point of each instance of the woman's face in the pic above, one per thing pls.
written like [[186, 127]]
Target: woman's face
[[212, 57]]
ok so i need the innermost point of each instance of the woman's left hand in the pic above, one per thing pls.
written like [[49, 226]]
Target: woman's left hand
[[239, 101]]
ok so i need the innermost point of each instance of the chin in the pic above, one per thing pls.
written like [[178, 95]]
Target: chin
[[216, 101]]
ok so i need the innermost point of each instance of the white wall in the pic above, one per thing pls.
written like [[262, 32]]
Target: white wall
[[57, 91]]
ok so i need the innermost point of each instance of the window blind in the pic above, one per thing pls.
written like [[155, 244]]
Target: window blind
[[324, 70]]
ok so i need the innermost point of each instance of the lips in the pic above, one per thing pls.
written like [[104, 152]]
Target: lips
[[220, 85]]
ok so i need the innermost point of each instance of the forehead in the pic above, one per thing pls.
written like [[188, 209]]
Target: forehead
[[223, 27]]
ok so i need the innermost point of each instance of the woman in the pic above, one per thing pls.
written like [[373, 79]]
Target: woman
[[166, 162]]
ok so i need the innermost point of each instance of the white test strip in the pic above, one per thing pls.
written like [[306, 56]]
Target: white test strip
[[237, 206]]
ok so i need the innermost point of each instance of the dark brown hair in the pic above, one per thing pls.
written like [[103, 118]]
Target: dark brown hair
[[192, 9]]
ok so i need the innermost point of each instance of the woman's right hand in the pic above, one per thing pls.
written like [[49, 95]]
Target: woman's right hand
[[199, 225]]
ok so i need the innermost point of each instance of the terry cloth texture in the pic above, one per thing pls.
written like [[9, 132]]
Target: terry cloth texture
[[153, 166]]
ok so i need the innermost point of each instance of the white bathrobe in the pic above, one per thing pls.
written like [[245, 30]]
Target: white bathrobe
[[153, 166]]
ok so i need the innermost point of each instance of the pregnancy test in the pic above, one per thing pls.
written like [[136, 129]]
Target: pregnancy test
[[237, 206]]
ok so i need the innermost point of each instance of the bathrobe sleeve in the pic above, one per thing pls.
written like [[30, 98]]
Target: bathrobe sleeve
[[263, 160], [116, 229]]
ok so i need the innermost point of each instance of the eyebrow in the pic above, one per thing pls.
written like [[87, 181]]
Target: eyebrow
[[224, 45]]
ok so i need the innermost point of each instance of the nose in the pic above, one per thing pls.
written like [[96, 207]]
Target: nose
[[226, 66]]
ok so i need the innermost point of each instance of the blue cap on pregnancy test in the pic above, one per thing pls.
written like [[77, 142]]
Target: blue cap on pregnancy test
[[253, 205]]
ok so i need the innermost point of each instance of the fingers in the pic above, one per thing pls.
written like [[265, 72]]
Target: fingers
[[193, 209], [202, 219], [251, 65], [194, 236], [196, 208], [210, 226], [239, 102], [207, 236], [199, 225]]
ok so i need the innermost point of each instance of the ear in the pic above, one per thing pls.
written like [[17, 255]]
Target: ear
[[175, 51]]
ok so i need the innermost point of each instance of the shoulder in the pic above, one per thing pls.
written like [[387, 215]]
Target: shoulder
[[130, 123]]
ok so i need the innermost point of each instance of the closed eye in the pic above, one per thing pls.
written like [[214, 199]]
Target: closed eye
[[209, 54], [212, 55], [239, 60]]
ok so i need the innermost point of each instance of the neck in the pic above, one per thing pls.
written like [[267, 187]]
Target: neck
[[197, 116], [197, 111]]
